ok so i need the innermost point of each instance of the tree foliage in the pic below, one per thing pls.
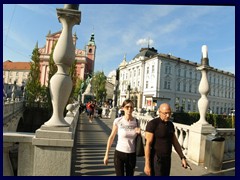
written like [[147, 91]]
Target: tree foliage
[[76, 89], [99, 86], [73, 75], [33, 86], [52, 65]]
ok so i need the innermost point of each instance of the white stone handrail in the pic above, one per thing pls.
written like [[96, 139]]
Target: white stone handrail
[[26, 146], [12, 112], [182, 133], [11, 107]]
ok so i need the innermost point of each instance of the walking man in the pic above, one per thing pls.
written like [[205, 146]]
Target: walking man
[[160, 137]]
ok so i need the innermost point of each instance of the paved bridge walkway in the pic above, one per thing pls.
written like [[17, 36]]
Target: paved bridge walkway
[[89, 150]]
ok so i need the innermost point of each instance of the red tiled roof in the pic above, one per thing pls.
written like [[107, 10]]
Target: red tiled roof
[[9, 65]]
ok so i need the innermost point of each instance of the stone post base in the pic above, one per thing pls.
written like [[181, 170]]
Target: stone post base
[[197, 140], [52, 151]]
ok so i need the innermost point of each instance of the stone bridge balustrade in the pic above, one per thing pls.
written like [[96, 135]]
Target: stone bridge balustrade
[[12, 112], [26, 152], [182, 132]]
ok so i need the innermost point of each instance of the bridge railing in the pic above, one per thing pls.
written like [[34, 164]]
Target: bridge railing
[[12, 111], [182, 133], [23, 142]]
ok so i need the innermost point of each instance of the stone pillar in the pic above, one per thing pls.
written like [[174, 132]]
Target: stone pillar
[[199, 130], [64, 56], [53, 142], [52, 151]]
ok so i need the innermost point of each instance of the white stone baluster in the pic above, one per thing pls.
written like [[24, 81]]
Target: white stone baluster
[[180, 138], [64, 56], [7, 165], [176, 132], [185, 142]]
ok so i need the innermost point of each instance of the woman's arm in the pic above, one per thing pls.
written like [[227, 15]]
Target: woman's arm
[[109, 143]]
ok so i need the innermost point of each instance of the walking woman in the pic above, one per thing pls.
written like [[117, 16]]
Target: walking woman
[[127, 130]]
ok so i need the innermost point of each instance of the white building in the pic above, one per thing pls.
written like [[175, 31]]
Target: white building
[[15, 72], [152, 78]]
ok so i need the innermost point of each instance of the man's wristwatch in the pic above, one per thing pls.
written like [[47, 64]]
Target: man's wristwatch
[[183, 158]]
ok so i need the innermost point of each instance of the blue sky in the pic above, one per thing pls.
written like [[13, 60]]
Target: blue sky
[[124, 29]]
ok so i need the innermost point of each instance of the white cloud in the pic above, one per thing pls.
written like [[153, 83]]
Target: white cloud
[[145, 42]]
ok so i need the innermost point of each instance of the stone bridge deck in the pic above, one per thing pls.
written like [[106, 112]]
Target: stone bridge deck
[[89, 150]]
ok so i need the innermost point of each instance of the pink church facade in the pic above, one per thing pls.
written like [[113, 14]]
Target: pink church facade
[[85, 58]]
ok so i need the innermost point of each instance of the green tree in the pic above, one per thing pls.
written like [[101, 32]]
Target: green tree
[[77, 87], [73, 75], [52, 71], [52, 65], [33, 86], [99, 86]]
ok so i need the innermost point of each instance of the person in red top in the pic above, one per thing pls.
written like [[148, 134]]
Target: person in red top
[[90, 109]]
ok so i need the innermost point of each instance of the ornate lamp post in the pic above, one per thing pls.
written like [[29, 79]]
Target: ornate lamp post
[[64, 56], [199, 130], [129, 89], [203, 87]]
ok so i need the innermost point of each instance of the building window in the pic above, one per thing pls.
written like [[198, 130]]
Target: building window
[[138, 72], [190, 86], [190, 74], [166, 84], [147, 70], [184, 87], [146, 84], [90, 51], [178, 86], [153, 69], [179, 72], [167, 69]]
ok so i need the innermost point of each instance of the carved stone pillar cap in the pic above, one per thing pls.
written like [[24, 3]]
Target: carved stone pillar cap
[[70, 13]]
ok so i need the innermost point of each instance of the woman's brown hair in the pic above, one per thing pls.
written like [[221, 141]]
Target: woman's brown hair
[[126, 102]]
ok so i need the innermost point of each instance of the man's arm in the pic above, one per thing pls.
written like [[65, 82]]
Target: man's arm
[[149, 139], [178, 149]]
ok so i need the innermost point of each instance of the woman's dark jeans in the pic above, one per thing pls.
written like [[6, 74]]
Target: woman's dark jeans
[[125, 161]]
